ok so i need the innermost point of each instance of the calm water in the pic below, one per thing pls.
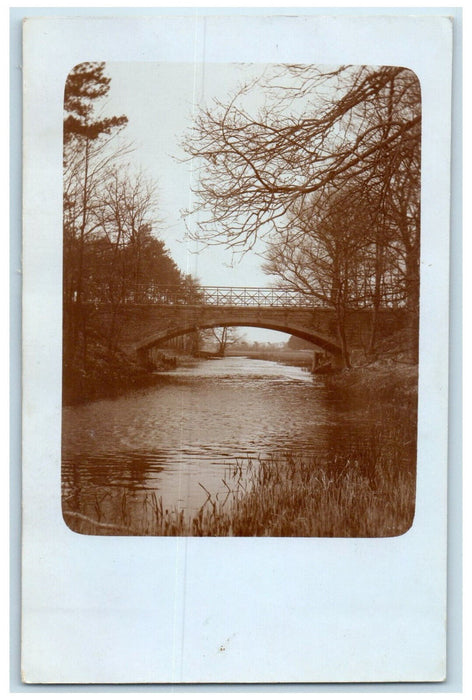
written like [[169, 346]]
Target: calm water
[[181, 436]]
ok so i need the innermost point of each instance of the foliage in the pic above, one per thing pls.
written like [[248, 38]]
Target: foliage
[[111, 254], [85, 84]]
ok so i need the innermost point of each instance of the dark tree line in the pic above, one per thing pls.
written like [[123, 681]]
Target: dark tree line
[[328, 173], [111, 254]]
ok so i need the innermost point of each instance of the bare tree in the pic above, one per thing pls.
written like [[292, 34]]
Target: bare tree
[[87, 154], [224, 336], [354, 131], [325, 254], [124, 217], [253, 169]]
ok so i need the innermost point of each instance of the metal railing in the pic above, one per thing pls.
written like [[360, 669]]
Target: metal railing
[[244, 297], [223, 296]]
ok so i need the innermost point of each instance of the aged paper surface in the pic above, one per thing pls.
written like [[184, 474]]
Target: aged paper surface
[[101, 606]]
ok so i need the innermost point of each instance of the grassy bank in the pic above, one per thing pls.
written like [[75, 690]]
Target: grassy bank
[[364, 495], [380, 385], [359, 489], [106, 377]]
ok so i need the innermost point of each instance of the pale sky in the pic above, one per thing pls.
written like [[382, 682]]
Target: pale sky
[[159, 100]]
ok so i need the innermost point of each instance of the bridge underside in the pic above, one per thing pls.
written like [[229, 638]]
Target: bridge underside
[[318, 340]]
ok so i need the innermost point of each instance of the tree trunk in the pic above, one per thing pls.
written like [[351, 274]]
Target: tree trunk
[[79, 308], [377, 295], [413, 303], [341, 329]]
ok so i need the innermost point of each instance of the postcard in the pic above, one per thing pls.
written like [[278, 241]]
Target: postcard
[[235, 348]]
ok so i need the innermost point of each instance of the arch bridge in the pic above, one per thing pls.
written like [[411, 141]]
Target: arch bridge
[[153, 315]]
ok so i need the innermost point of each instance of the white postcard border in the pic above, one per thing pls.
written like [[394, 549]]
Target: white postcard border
[[107, 609]]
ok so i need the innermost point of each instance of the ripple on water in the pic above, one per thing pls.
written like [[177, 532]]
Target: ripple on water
[[172, 437]]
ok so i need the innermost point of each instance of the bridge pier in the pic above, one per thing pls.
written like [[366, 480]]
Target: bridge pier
[[142, 356]]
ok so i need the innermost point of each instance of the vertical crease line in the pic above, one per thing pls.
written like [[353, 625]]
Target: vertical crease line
[[181, 552]]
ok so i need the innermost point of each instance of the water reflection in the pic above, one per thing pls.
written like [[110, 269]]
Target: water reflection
[[175, 441]]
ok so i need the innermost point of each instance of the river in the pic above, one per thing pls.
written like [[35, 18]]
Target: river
[[179, 439]]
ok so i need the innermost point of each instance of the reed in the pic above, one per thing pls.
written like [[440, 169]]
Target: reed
[[364, 494], [362, 489]]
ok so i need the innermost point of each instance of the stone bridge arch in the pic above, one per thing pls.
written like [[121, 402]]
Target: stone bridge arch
[[162, 336], [149, 322]]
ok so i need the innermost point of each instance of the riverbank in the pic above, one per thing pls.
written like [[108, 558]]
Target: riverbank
[[393, 362], [362, 488], [109, 378], [293, 358], [358, 490]]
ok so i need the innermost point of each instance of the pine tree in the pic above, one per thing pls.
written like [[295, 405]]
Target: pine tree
[[84, 157], [85, 84]]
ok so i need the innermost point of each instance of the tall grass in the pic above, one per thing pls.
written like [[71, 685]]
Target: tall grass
[[362, 488], [364, 494]]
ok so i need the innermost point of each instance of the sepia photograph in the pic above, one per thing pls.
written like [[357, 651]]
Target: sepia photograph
[[235, 266], [240, 299]]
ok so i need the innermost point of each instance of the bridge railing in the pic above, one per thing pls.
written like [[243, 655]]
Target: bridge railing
[[233, 296], [225, 296]]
